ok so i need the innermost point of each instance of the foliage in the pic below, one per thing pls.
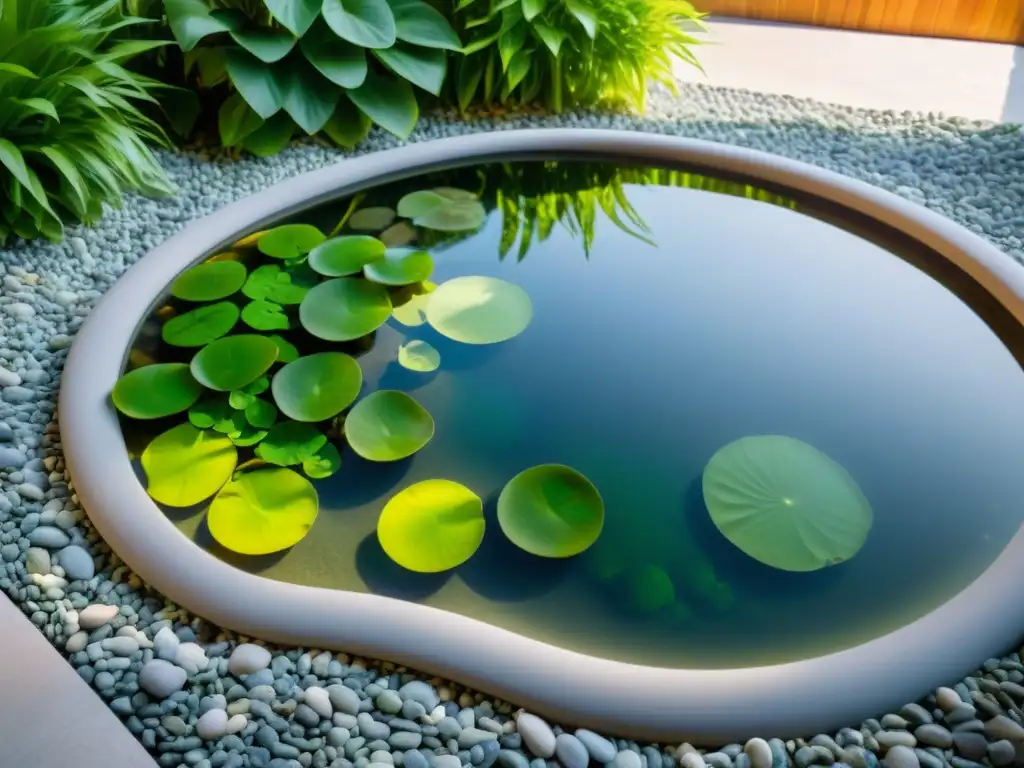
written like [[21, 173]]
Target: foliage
[[72, 135]]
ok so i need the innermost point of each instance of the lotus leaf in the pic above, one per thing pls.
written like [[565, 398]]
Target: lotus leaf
[[444, 209], [263, 511], [432, 526], [372, 219], [418, 355], [345, 308], [387, 426], [785, 503], [479, 310], [208, 412], [210, 281], [324, 463], [317, 387], [260, 414], [551, 511], [286, 351], [265, 316], [398, 235], [650, 589], [291, 442], [400, 266], [233, 362], [186, 465], [156, 390], [290, 241], [200, 326], [281, 285], [345, 255]]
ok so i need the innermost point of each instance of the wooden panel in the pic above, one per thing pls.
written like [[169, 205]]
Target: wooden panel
[[999, 21]]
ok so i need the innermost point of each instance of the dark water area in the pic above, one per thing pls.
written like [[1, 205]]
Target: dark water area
[[739, 317]]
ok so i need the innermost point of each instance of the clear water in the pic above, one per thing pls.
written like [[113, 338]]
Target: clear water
[[745, 317]]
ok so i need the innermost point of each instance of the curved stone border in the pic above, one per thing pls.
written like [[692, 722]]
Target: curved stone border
[[702, 706]]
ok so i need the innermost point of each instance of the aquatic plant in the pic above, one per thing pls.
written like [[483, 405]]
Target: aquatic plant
[[479, 310]]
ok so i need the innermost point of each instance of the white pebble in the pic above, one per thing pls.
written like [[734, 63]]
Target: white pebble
[[317, 699], [537, 735], [759, 752], [212, 724], [191, 657], [9, 378], [160, 678], [96, 615], [236, 724], [248, 658]]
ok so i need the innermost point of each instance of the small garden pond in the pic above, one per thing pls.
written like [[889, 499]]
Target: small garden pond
[[645, 414]]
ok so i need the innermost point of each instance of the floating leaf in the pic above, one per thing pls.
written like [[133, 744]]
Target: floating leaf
[[231, 425], [413, 313], [372, 219], [344, 308], [345, 255], [248, 436], [264, 511], [261, 385], [240, 400], [210, 281], [398, 235], [208, 412], [400, 266], [232, 362], [281, 285], [155, 391], [185, 465], [445, 209], [317, 387], [265, 316], [418, 355], [650, 589], [290, 241], [479, 310], [325, 463], [785, 503], [291, 442], [551, 511], [431, 526], [200, 326], [387, 426], [286, 351], [260, 414]]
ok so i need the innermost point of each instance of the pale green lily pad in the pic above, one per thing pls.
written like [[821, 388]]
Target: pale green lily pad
[[281, 285], [317, 387], [200, 326], [551, 511], [265, 315], [413, 313], [345, 255], [210, 281], [286, 351], [290, 241], [400, 266], [345, 308], [324, 463], [785, 503], [444, 209], [371, 219], [290, 443], [479, 310], [398, 235], [263, 511], [155, 391], [186, 465], [418, 355], [432, 526], [232, 362], [387, 426]]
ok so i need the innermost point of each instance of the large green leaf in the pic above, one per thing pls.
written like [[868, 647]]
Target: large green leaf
[[347, 126], [233, 362], [400, 266], [345, 308], [317, 387], [271, 137], [345, 255], [552, 37], [585, 14], [209, 281], [290, 241], [157, 390], [281, 285], [307, 96], [185, 465], [297, 16], [389, 103], [423, 67], [368, 23], [201, 325], [264, 511], [290, 443], [266, 44], [191, 21], [339, 61], [256, 81], [388, 425], [532, 8], [419, 23], [265, 316]]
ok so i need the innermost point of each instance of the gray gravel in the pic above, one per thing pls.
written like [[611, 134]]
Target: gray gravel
[[200, 697]]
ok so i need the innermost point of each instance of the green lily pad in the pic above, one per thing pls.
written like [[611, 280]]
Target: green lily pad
[[479, 310], [186, 465], [286, 351], [200, 326], [290, 443], [346, 255], [240, 399], [248, 436], [261, 385], [371, 219], [400, 266], [210, 281], [231, 425], [265, 316], [345, 308], [413, 313], [208, 412], [317, 387], [650, 589], [232, 362], [551, 511], [419, 356], [155, 391], [785, 503], [444, 209], [324, 463], [263, 511], [290, 241], [281, 285], [387, 426], [398, 235], [260, 414], [431, 526]]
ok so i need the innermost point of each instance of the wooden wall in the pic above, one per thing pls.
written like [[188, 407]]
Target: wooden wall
[[993, 20]]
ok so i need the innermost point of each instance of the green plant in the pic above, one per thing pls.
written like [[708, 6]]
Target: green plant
[[72, 136]]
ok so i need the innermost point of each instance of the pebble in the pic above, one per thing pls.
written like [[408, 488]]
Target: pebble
[[212, 724], [49, 537], [1002, 727], [947, 698], [1001, 753], [76, 562], [319, 701], [37, 560], [970, 744], [96, 615], [160, 678], [759, 752], [247, 659], [165, 644], [421, 692], [571, 752], [343, 699], [934, 735], [538, 736], [600, 749], [626, 758], [901, 756]]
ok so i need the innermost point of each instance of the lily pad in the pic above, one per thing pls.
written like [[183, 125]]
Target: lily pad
[[155, 391], [398, 235], [324, 463], [785, 503], [650, 589], [345, 255], [240, 399], [290, 443], [209, 411], [186, 465], [260, 414], [232, 362], [444, 209], [418, 355], [400, 266], [210, 281], [290, 241], [317, 387], [345, 308], [388, 425], [281, 285], [413, 313], [263, 511], [201, 325], [479, 310], [248, 436], [265, 316], [372, 219], [432, 526], [231, 425], [286, 351], [261, 385], [551, 511]]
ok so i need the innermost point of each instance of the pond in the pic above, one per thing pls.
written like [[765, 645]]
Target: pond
[[645, 320]]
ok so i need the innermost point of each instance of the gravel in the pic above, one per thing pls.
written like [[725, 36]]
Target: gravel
[[195, 695]]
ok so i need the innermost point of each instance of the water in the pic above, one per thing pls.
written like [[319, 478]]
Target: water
[[743, 317]]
